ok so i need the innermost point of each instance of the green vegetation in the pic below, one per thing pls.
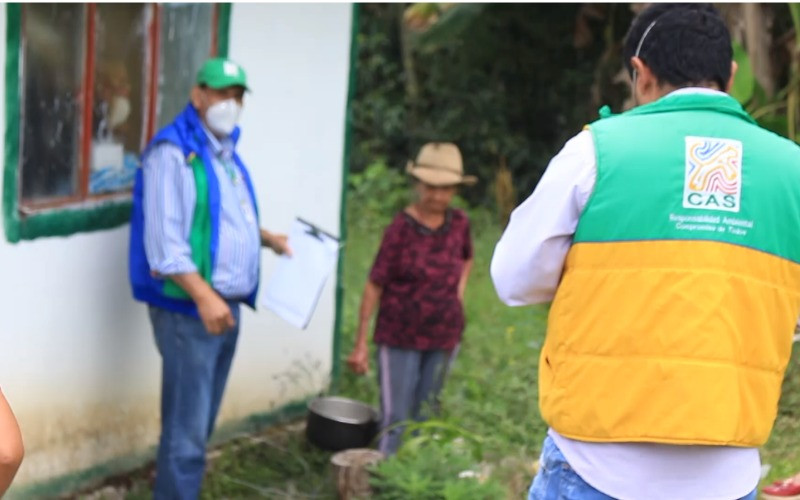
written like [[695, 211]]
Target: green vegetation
[[489, 419], [509, 84], [489, 431], [782, 451]]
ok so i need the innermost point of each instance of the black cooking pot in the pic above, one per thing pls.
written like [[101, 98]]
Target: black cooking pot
[[335, 423]]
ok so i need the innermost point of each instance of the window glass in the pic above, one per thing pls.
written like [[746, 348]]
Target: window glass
[[94, 81], [185, 43], [120, 95], [51, 84]]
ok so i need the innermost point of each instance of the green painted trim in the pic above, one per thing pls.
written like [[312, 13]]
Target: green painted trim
[[94, 476], [259, 421], [67, 221], [71, 483], [10, 214], [58, 222], [223, 28], [336, 370]]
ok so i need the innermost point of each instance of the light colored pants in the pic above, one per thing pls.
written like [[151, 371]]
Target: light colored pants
[[410, 381]]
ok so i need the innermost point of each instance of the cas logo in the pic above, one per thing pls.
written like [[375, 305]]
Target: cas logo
[[713, 174]]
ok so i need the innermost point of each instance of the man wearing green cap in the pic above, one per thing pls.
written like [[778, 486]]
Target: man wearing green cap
[[194, 257]]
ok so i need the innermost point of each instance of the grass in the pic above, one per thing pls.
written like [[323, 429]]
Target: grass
[[491, 393], [492, 390], [782, 451]]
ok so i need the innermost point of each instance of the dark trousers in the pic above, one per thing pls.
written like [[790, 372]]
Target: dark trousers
[[410, 381]]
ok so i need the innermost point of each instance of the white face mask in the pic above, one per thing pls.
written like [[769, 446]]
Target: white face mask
[[221, 117]]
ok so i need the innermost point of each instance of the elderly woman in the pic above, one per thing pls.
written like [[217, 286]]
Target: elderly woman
[[419, 277]]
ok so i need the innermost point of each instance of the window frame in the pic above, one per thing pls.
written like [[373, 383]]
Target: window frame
[[82, 212]]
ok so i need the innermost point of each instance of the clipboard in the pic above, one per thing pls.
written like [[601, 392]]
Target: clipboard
[[294, 289]]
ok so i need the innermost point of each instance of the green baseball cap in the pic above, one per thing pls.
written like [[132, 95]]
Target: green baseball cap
[[219, 72]]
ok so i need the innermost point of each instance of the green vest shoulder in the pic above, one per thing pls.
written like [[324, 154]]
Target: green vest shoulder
[[696, 167]]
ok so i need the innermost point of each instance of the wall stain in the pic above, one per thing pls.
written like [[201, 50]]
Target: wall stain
[[62, 438]]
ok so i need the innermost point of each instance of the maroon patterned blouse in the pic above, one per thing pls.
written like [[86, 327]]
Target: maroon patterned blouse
[[419, 270]]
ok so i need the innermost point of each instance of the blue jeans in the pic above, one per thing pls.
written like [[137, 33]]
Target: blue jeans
[[409, 380], [195, 366], [557, 481]]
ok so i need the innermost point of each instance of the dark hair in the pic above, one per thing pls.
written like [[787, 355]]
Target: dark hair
[[687, 44]]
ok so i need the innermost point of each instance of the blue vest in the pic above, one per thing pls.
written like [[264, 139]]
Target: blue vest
[[186, 132]]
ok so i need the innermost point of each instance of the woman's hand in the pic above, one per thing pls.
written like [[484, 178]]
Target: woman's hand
[[358, 361]]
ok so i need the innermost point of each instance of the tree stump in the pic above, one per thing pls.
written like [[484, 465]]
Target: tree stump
[[352, 477]]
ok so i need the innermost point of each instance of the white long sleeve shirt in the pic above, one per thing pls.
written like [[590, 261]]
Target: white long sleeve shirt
[[526, 269]]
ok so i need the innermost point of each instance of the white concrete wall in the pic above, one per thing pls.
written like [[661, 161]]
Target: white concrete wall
[[78, 362]]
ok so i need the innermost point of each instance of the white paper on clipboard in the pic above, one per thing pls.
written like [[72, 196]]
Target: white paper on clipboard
[[294, 288]]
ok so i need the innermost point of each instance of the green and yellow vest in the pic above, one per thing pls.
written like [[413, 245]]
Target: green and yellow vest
[[673, 321]]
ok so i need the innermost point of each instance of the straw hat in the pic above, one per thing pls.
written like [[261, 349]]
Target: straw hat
[[439, 164]]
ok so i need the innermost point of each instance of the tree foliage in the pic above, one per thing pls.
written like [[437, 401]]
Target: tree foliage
[[503, 81], [510, 83]]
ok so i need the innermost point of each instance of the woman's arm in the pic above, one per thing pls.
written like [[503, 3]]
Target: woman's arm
[[462, 283], [358, 361], [11, 449]]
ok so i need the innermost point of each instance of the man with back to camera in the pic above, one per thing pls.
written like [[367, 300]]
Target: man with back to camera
[[194, 257], [668, 239]]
